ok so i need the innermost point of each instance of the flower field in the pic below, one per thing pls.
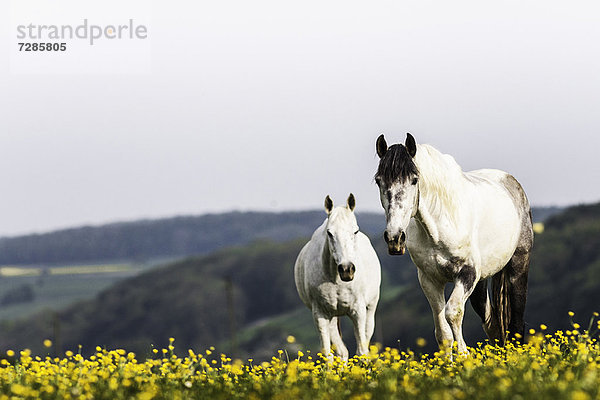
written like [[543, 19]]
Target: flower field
[[563, 365]]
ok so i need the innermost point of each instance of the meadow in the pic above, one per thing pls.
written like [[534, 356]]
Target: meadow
[[52, 288], [562, 365], [131, 304]]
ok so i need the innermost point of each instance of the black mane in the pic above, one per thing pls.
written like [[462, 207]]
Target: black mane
[[396, 164]]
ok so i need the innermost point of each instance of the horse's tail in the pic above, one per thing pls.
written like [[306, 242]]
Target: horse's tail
[[501, 303]]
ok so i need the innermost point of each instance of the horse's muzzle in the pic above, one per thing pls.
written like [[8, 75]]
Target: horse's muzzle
[[396, 244], [397, 249], [346, 271]]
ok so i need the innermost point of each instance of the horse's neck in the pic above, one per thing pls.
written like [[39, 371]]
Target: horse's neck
[[327, 259], [443, 194], [427, 222]]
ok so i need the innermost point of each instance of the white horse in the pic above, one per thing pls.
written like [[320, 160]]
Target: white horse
[[459, 227], [338, 273]]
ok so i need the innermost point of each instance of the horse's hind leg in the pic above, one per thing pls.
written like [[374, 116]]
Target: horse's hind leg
[[517, 270], [480, 300], [515, 273]]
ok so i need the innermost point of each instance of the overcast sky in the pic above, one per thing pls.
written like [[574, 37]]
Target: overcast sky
[[271, 105]]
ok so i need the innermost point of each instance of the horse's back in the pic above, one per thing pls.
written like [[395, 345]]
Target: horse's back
[[507, 182], [522, 204]]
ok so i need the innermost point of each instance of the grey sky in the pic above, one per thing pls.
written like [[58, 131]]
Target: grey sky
[[271, 105]]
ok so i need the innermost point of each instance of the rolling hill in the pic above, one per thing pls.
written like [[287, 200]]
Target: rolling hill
[[177, 237], [189, 299]]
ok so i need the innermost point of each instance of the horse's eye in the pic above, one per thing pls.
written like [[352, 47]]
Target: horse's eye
[[415, 180], [330, 234], [356, 232]]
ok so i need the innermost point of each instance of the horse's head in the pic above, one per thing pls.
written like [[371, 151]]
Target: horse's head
[[342, 229], [397, 177]]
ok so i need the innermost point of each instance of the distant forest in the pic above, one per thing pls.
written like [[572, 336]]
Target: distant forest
[[175, 237]]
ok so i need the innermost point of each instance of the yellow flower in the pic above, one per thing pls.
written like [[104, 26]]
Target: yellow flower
[[580, 395], [402, 373], [291, 339]]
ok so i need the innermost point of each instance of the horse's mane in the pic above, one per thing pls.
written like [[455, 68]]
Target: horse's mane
[[396, 163], [342, 214], [440, 181]]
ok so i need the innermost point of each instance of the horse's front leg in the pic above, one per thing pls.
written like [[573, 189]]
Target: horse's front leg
[[322, 322], [370, 324], [464, 284], [434, 291], [359, 320], [336, 338]]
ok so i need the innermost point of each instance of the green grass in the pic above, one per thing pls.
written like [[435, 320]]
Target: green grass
[[297, 322], [264, 335], [59, 286]]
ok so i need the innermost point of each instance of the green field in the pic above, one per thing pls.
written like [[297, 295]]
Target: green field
[[56, 287]]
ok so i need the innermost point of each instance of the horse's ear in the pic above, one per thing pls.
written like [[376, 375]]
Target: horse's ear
[[381, 146], [351, 202], [410, 145], [328, 204]]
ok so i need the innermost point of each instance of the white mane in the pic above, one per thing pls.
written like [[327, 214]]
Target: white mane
[[440, 181]]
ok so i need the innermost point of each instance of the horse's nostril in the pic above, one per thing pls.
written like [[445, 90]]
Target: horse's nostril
[[386, 236], [352, 268], [340, 268], [403, 237]]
